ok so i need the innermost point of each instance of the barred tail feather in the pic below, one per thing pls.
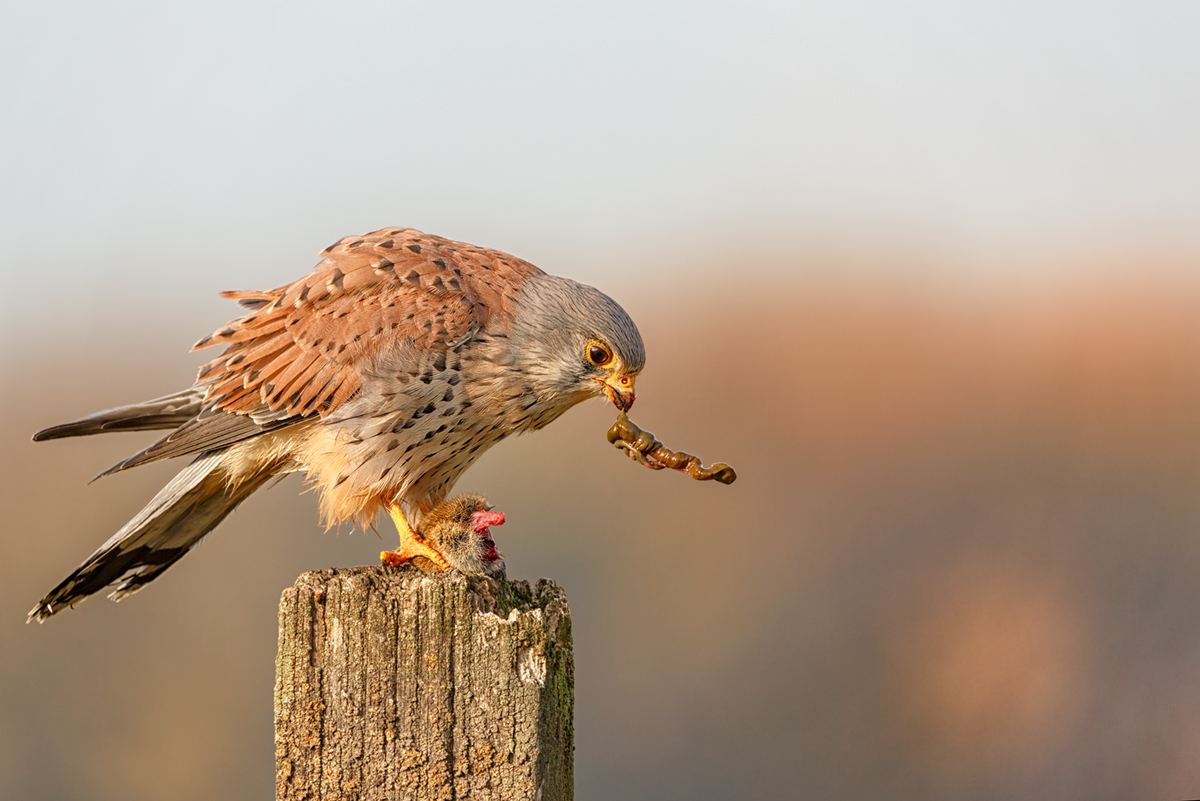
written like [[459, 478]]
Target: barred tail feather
[[185, 510]]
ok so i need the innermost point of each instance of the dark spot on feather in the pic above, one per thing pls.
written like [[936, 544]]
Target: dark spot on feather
[[341, 480], [454, 283], [357, 337], [386, 470], [410, 447], [414, 277], [378, 330], [440, 262], [303, 297], [387, 243], [254, 374], [338, 279], [355, 243], [341, 348], [317, 341], [439, 362], [428, 324], [429, 435], [440, 429], [393, 445], [294, 399], [429, 409], [415, 248], [331, 346], [226, 332], [453, 380], [449, 411], [241, 357], [426, 377], [449, 396], [269, 388], [438, 283], [385, 264], [395, 325]]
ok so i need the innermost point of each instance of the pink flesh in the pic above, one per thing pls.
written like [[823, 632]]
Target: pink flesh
[[479, 523], [481, 520]]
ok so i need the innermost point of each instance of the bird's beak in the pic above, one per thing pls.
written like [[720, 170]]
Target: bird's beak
[[619, 389]]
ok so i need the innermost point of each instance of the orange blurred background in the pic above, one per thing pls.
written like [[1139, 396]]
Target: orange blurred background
[[959, 560], [927, 274]]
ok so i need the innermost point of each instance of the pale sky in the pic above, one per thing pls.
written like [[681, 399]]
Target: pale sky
[[147, 142]]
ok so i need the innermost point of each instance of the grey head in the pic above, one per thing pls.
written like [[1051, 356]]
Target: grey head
[[573, 342]]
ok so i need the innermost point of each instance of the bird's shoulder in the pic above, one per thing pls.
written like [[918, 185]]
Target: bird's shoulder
[[302, 348]]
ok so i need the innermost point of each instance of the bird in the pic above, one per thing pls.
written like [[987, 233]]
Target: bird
[[382, 375], [460, 530]]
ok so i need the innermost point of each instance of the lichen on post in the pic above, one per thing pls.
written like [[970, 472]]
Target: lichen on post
[[393, 683]]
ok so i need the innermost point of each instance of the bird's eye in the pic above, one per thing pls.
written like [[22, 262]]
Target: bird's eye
[[599, 355]]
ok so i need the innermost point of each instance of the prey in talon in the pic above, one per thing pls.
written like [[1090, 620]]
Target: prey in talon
[[459, 532]]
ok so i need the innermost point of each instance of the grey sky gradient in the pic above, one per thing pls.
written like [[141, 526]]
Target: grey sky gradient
[[152, 139]]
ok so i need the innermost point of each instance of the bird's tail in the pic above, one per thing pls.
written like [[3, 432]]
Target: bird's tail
[[186, 509], [169, 411]]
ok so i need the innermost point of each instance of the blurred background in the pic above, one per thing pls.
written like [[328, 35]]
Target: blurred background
[[929, 277]]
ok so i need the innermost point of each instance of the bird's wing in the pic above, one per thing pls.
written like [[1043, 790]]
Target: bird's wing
[[305, 347]]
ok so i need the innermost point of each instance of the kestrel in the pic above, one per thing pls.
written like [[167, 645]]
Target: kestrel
[[383, 375]]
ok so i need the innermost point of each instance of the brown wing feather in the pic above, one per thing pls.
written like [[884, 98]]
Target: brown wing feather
[[305, 346]]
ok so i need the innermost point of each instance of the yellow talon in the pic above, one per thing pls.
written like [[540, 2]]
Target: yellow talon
[[412, 544]]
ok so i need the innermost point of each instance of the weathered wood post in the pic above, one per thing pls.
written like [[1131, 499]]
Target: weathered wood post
[[397, 684]]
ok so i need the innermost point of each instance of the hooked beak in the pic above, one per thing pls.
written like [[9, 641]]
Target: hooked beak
[[619, 389]]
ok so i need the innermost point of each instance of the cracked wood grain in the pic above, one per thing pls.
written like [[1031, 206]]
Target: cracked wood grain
[[397, 684]]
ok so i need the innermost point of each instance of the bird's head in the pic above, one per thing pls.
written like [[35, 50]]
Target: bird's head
[[575, 342]]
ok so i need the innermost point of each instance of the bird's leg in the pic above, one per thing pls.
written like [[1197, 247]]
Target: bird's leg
[[412, 544]]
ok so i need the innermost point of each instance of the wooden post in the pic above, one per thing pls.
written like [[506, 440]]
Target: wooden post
[[397, 684]]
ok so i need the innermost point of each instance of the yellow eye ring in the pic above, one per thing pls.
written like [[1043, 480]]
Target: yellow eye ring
[[599, 354]]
